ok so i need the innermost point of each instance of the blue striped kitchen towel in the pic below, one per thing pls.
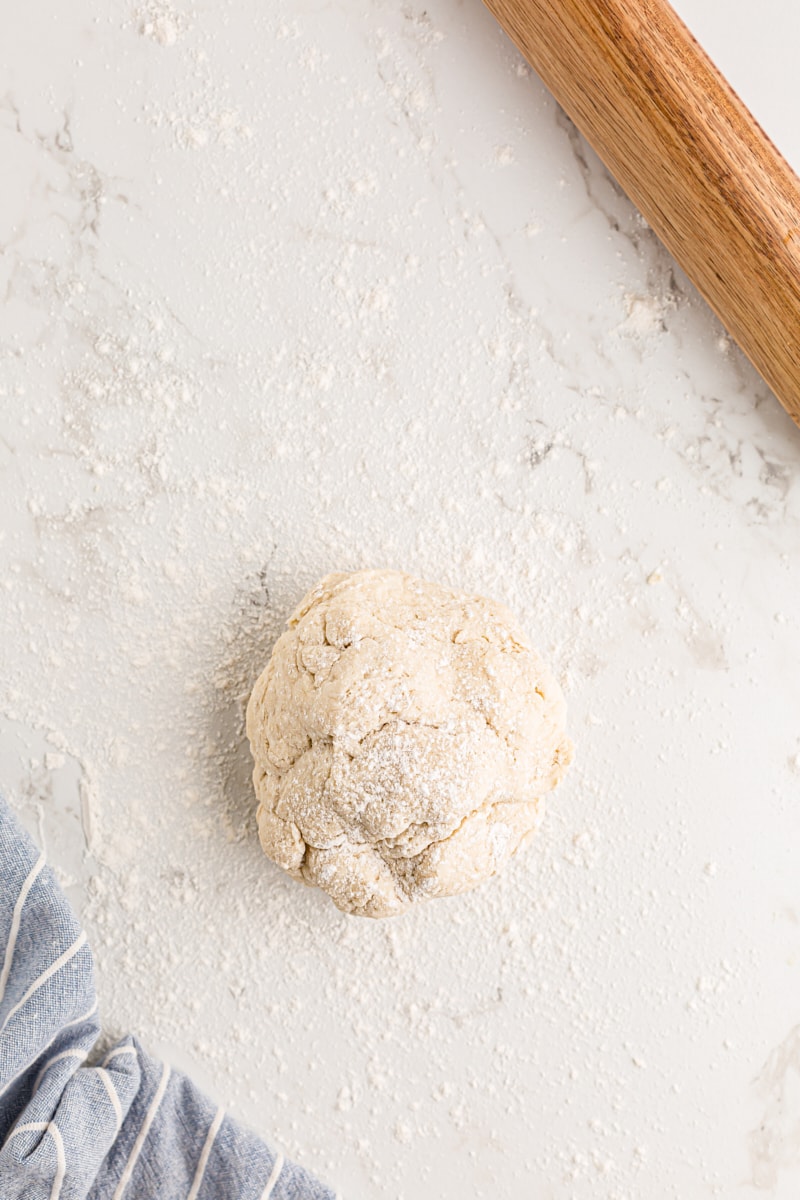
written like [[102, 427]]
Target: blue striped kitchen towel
[[125, 1128]]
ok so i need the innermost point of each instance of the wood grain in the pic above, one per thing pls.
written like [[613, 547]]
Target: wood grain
[[688, 153]]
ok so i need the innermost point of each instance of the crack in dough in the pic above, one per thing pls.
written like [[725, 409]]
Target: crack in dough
[[404, 735]]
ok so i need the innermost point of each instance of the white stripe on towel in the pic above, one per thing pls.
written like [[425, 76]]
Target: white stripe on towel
[[57, 1034], [112, 1095], [116, 1053], [58, 1141], [61, 961], [81, 1054], [273, 1179], [209, 1142], [15, 922], [143, 1132]]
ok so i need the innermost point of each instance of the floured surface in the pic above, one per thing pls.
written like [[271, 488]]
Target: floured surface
[[291, 294]]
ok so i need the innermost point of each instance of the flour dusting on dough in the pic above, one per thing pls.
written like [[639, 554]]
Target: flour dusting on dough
[[403, 735]]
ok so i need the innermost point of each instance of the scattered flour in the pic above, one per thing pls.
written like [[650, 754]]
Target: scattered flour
[[161, 22], [645, 315], [340, 366]]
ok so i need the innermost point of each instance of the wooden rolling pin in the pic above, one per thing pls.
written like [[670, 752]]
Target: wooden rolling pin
[[689, 154]]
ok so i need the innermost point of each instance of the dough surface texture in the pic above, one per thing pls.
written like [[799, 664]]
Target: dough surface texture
[[403, 737]]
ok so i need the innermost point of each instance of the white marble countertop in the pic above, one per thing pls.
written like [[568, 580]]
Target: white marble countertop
[[285, 291]]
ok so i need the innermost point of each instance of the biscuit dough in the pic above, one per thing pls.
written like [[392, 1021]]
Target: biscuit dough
[[403, 736]]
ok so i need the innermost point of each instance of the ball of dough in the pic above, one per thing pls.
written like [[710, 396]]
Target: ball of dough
[[403, 736]]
